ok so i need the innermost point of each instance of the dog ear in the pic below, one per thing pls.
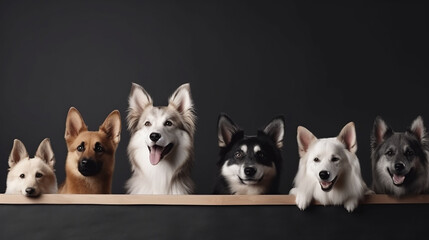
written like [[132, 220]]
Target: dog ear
[[18, 152], [138, 100], [348, 137], [226, 129], [380, 131], [305, 138], [112, 126], [181, 100], [45, 152], [276, 130], [418, 129], [74, 124]]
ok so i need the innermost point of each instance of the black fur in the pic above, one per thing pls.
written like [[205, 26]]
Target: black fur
[[268, 142]]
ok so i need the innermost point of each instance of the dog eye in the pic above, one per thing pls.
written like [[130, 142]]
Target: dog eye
[[168, 123], [316, 160], [22, 176], [260, 154], [409, 153], [81, 147], [98, 148], [335, 159], [238, 155], [39, 175], [147, 124], [389, 153]]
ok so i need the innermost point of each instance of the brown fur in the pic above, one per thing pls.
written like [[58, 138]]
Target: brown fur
[[108, 136]]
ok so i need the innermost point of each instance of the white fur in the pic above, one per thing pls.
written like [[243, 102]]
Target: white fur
[[161, 178], [22, 165], [233, 171], [349, 187]]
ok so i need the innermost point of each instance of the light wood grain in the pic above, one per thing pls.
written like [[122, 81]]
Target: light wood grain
[[208, 200]]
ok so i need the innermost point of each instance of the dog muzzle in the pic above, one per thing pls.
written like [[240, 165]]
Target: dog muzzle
[[88, 167]]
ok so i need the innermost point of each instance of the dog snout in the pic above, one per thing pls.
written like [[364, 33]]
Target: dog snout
[[324, 175], [89, 167], [30, 191], [154, 136], [249, 171], [399, 166]]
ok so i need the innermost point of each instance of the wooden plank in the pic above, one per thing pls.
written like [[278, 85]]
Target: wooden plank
[[207, 200]]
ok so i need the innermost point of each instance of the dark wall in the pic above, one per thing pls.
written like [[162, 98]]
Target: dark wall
[[320, 65]]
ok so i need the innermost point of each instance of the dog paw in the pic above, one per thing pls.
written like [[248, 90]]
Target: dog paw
[[302, 201], [350, 205]]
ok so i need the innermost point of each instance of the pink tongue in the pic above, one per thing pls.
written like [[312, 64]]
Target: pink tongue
[[155, 155], [325, 184], [398, 179]]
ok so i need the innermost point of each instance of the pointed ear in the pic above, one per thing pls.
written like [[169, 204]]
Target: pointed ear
[[45, 152], [18, 152], [275, 130], [226, 129], [181, 98], [418, 129], [74, 124], [112, 126], [305, 138], [380, 131], [348, 137], [138, 100]]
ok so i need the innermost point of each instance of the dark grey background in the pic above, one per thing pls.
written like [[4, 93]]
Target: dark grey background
[[320, 65]]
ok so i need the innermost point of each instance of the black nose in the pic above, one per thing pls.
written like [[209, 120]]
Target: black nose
[[249, 171], [30, 190], [155, 136], [89, 167], [324, 175], [399, 166]]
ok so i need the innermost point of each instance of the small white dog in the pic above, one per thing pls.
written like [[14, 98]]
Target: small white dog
[[31, 176], [329, 170]]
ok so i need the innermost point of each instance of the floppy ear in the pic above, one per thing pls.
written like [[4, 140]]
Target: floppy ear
[[348, 137], [74, 124], [276, 130], [418, 129], [112, 126], [226, 129], [18, 152], [305, 138], [380, 131], [45, 152], [138, 100]]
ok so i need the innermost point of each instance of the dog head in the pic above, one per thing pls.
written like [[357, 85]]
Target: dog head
[[327, 158], [248, 160], [91, 152], [160, 129], [31, 176], [399, 159]]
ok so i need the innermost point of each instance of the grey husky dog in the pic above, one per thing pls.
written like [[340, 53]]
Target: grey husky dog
[[400, 164]]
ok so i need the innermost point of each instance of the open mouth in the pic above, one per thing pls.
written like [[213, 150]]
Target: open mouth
[[156, 153], [327, 186], [398, 180], [250, 181]]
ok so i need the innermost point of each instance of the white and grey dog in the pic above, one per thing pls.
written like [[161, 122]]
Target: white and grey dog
[[161, 148], [329, 170]]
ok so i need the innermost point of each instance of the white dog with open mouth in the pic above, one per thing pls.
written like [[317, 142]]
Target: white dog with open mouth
[[329, 170]]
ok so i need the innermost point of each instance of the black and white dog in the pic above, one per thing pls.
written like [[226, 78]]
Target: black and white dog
[[400, 164], [249, 164]]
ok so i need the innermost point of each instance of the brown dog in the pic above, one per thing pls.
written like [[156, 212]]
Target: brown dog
[[91, 154]]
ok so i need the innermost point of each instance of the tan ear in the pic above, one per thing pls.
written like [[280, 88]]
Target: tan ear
[[304, 138], [18, 152], [181, 99], [74, 124], [45, 152], [348, 137], [138, 100], [112, 126]]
